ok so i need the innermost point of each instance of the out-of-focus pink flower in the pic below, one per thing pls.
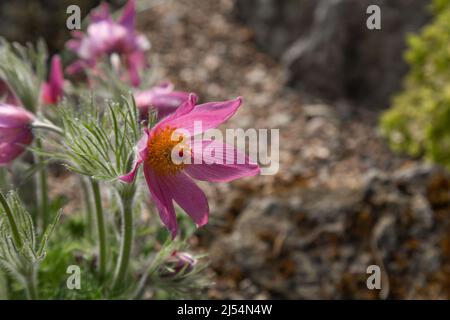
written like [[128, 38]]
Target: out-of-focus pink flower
[[105, 36], [15, 132], [52, 90], [163, 98], [169, 181]]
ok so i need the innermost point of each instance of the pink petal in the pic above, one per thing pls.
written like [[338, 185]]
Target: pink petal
[[9, 134], [73, 44], [75, 67], [141, 155], [224, 171], [100, 13], [56, 74], [163, 202], [163, 99], [12, 149], [184, 109], [210, 114], [164, 87], [12, 116], [128, 16], [189, 196], [52, 90], [135, 62], [46, 93]]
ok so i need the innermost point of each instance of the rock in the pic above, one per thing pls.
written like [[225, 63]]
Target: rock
[[316, 244], [327, 48]]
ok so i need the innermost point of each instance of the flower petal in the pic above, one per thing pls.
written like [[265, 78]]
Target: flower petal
[[141, 154], [100, 13], [162, 98], [135, 62], [56, 74], [184, 109], [163, 202], [128, 16], [226, 165], [210, 114], [52, 90], [10, 150], [12, 116], [189, 196]]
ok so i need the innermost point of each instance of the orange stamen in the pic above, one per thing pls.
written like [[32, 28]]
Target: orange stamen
[[160, 147]]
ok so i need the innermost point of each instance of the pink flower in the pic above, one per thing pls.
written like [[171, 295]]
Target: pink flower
[[168, 181], [105, 36], [163, 98], [15, 132], [52, 90]]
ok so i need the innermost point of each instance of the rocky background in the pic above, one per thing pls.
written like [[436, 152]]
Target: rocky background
[[341, 200], [323, 39]]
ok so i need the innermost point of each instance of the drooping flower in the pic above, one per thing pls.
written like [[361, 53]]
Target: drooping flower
[[169, 181], [163, 98], [15, 132], [52, 90], [105, 37]]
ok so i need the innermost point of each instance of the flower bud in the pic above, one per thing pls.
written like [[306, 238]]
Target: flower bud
[[15, 132], [178, 262]]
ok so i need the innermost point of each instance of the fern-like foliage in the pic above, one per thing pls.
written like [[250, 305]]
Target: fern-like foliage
[[21, 250], [98, 139], [24, 69]]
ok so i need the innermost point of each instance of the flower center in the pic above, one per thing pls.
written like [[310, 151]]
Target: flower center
[[160, 149]]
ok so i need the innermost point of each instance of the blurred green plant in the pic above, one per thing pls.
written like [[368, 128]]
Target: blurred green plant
[[419, 121], [21, 251], [24, 69]]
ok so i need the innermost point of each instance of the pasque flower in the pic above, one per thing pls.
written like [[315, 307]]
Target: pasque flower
[[162, 98], [15, 132], [105, 37], [52, 90], [169, 181]]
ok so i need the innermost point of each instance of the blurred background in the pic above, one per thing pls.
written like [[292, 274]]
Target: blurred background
[[364, 120]]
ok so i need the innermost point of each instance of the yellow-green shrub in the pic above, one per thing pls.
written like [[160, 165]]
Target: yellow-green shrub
[[419, 121]]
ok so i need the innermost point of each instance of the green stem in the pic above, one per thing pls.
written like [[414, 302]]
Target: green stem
[[30, 285], [3, 179], [88, 205], [12, 222], [101, 229], [38, 124], [123, 259], [42, 188]]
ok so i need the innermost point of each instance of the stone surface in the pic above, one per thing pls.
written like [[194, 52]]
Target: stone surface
[[327, 49], [310, 244]]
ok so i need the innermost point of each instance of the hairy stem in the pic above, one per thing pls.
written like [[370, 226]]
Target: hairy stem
[[31, 285], [87, 204], [46, 125], [126, 240], [42, 188], [101, 229]]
